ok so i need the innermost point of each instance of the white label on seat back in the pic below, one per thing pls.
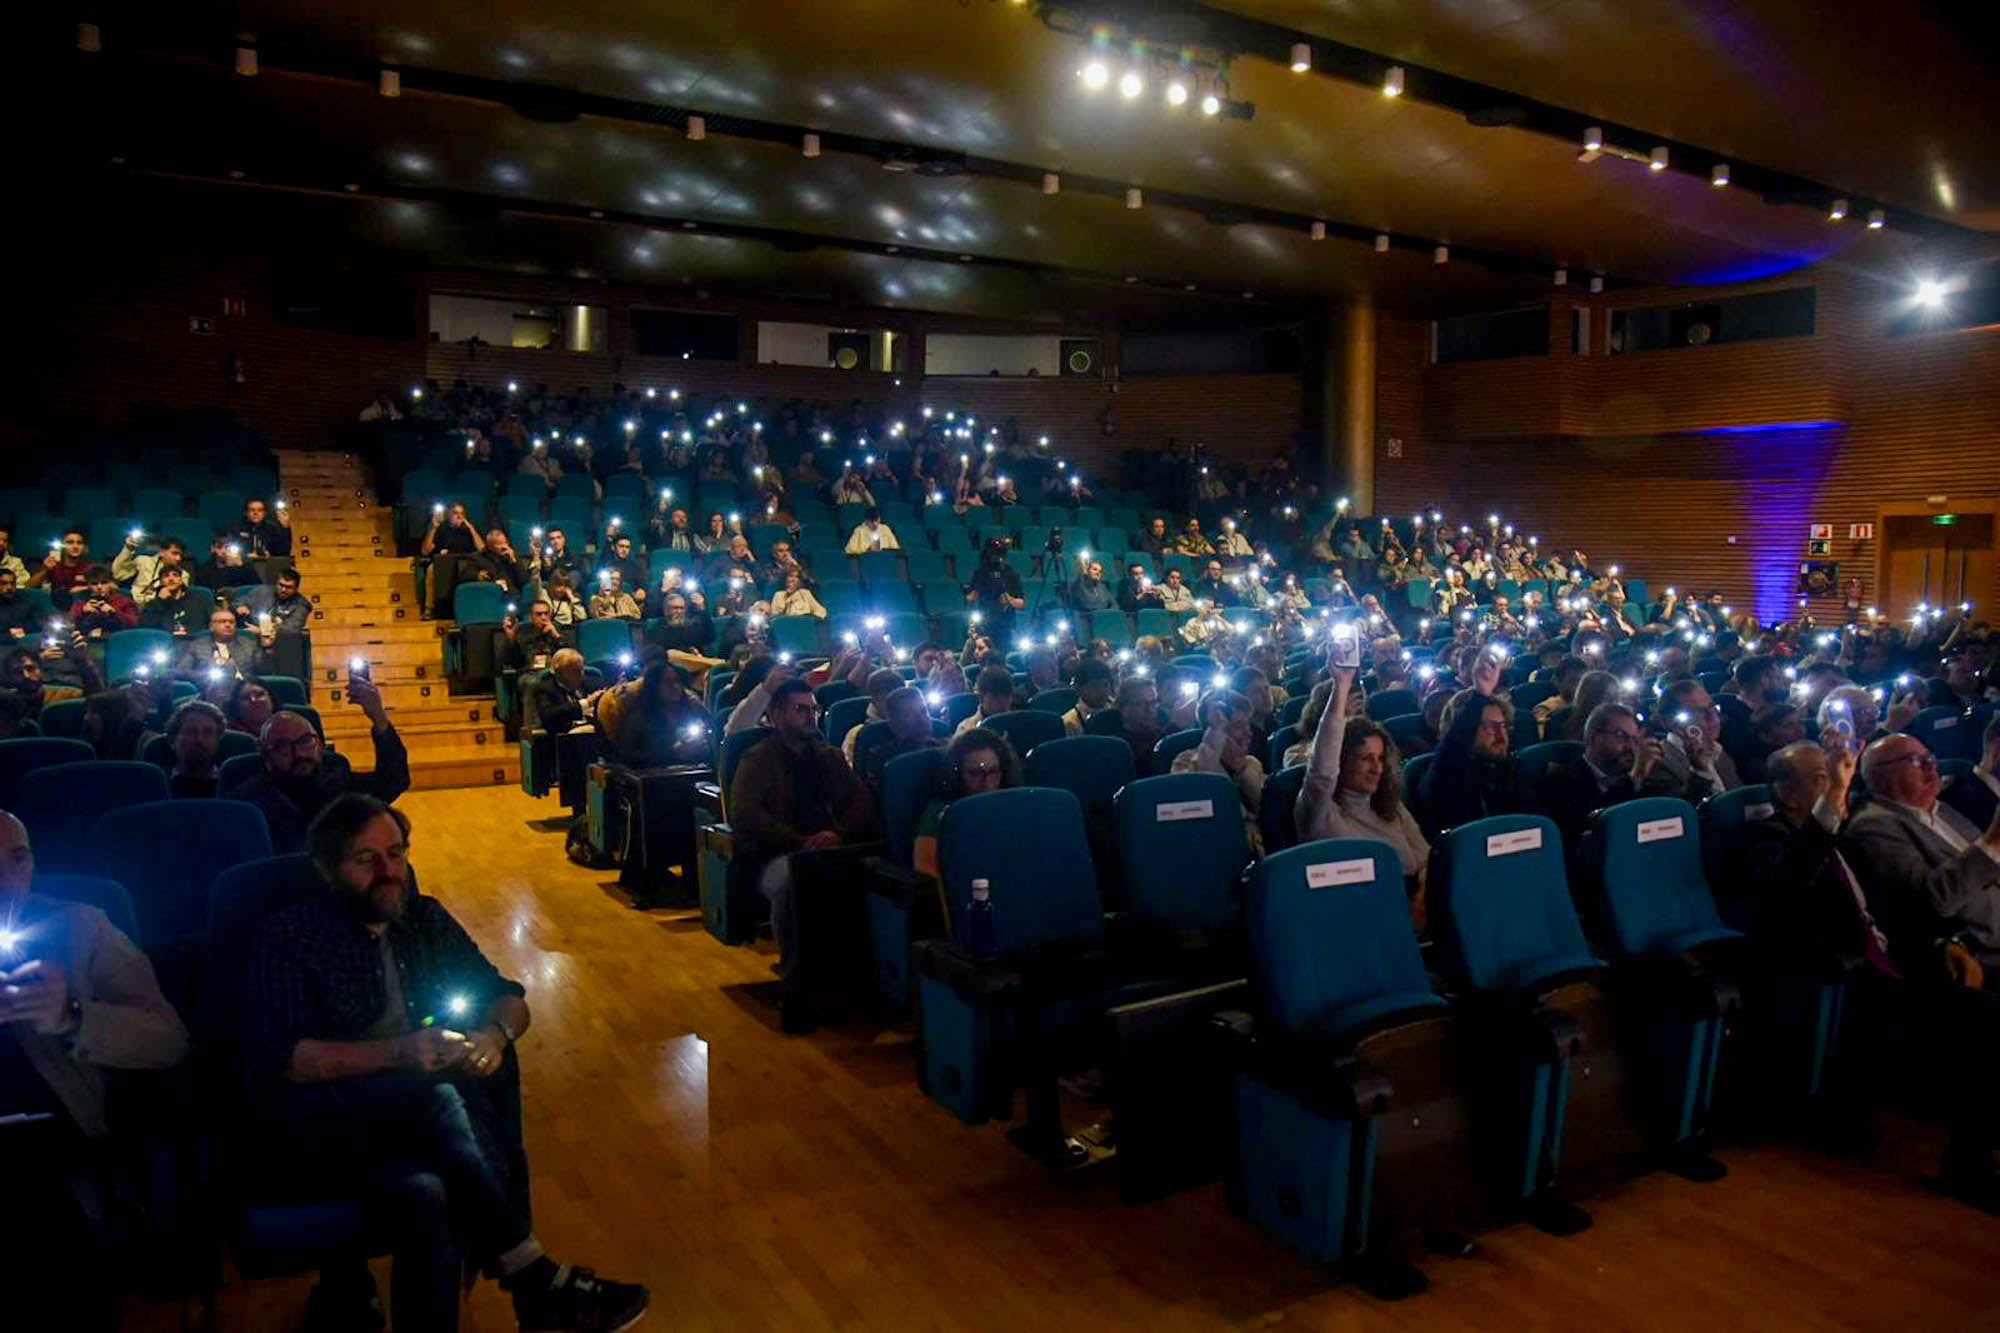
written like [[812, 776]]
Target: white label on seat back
[[1944, 724], [1329, 873], [1166, 812], [1762, 811], [1506, 844], [1659, 830]]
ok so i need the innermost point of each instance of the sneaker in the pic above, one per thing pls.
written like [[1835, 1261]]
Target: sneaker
[[579, 1301]]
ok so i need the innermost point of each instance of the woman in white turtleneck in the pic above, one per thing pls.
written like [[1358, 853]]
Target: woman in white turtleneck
[[1353, 790]]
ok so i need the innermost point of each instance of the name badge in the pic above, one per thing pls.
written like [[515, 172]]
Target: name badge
[[1754, 812], [1166, 812], [1506, 844], [1327, 874], [1659, 830], [1944, 724]]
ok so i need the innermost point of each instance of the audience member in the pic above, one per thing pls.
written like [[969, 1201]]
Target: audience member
[[908, 729], [534, 639], [1095, 684], [19, 616], [1692, 754], [1976, 795], [977, 761], [1353, 789], [300, 777], [1620, 762], [264, 534], [611, 601], [1471, 777], [194, 733], [449, 544], [1224, 717], [653, 722], [379, 1035], [792, 794], [142, 571], [78, 1002], [101, 608], [871, 535], [222, 649], [278, 606], [558, 703], [995, 689], [173, 608], [250, 706], [66, 568]]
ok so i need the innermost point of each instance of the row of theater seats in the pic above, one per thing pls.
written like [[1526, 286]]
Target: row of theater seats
[[1365, 1102]]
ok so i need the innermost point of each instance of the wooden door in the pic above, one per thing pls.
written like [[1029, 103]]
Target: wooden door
[[1941, 564]]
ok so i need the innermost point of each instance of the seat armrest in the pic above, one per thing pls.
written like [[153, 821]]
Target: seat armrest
[[886, 879], [973, 978], [1324, 1073]]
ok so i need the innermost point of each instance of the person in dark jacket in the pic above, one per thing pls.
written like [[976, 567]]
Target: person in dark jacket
[[1471, 777], [300, 779], [1620, 762], [559, 701], [793, 794], [260, 534], [1786, 894]]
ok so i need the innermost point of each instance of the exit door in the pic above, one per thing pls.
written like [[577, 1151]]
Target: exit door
[[1939, 563]]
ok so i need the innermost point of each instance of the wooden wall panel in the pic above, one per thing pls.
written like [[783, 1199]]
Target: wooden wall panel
[[120, 345], [1653, 467]]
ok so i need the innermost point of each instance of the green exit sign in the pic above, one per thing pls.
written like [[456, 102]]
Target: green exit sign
[[1944, 520]]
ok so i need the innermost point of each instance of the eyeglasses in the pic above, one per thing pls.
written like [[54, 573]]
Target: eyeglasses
[[305, 742], [1925, 760]]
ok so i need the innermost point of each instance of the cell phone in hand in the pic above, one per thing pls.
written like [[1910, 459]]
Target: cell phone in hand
[[358, 669], [1346, 646]]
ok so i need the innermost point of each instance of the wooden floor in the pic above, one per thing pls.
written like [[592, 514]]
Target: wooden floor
[[764, 1182]]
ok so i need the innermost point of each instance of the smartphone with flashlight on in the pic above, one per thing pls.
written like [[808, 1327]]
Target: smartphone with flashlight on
[[357, 669], [1346, 645]]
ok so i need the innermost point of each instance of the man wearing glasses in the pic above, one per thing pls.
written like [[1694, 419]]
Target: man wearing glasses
[[794, 794], [1925, 866], [1932, 879], [300, 778], [1692, 754]]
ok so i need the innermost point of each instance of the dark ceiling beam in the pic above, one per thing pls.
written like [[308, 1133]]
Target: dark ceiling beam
[[548, 103], [1175, 23], [474, 206]]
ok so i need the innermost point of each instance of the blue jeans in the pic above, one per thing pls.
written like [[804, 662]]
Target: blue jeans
[[407, 1137]]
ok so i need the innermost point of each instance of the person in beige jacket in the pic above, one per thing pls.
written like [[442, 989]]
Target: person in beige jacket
[[77, 1000]]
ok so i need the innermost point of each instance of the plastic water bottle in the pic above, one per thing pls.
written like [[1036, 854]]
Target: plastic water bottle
[[979, 934]]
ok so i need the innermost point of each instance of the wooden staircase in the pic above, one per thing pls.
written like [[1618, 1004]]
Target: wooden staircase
[[365, 605]]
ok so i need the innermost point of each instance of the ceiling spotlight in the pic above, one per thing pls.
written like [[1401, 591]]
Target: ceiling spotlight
[[1051, 183], [1596, 282], [389, 82], [1177, 93], [1381, 242], [1562, 277], [1133, 198], [1317, 231], [1838, 212], [88, 39], [1302, 57], [1931, 292], [1441, 255], [1210, 104], [1130, 84], [1659, 159], [1718, 175], [246, 61], [697, 128], [1877, 219], [1392, 82], [1593, 139], [810, 144], [1095, 74]]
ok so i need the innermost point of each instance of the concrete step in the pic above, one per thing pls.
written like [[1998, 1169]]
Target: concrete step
[[348, 611], [404, 690], [502, 768]]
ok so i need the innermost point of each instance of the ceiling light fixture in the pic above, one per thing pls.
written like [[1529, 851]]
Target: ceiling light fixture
[[1133, 198], [1381, 242], [1837, 213], [1718, 175], [1392, 82], [1658, 161], [1130, 84], [1095, 74], [1051, 183], [810, 145], [1317, 231], [1302, 57], [697, 128], [1877, 219], [389, 82]]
